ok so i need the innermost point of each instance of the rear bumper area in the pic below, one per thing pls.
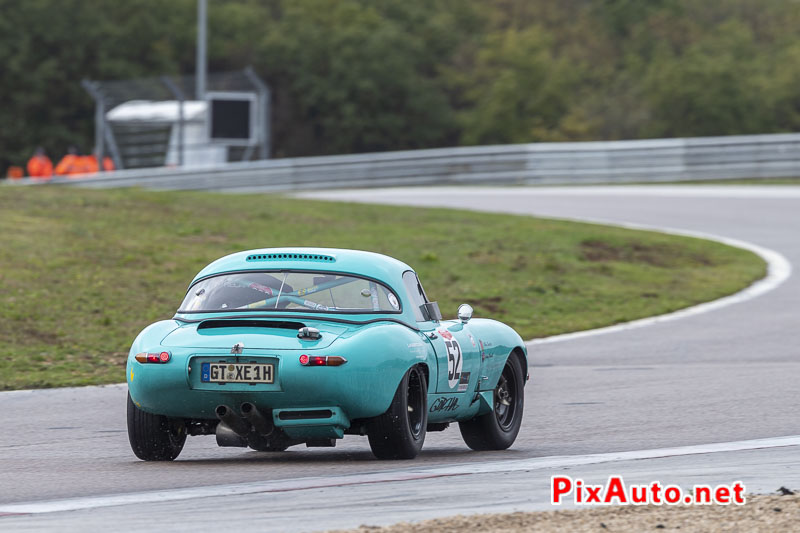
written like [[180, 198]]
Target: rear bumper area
[[177, 389], [311, 422]]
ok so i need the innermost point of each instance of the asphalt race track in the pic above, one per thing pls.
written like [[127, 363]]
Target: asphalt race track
[[709, 398]]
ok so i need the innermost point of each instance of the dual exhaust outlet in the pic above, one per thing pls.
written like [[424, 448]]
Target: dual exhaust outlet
[[247, 430]]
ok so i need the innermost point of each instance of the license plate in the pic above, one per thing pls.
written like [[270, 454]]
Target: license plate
[[237, 373]]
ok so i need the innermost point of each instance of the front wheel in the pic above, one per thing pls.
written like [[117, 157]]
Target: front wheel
[[154, 437], [400, 431], [498, 430]]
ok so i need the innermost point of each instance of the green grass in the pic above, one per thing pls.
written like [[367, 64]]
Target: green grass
[[82, 271]]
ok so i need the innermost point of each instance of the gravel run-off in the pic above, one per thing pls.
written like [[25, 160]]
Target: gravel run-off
[[759, 513]]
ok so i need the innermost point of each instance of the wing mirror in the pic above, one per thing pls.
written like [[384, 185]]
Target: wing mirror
[[430, 311], [464, 313]]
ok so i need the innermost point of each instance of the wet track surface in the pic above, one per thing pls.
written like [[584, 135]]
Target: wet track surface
[[728, 375]]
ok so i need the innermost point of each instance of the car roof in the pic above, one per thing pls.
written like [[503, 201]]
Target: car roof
[[370, 264]]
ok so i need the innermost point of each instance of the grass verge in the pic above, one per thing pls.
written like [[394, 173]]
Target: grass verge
[[82, 271]]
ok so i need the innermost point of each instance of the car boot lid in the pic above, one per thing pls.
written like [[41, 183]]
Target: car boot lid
[[254, 334]]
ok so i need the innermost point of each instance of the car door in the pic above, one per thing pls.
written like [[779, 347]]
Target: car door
[[457, 353]]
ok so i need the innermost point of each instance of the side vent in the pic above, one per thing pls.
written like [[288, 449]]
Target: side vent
[[292, 257]]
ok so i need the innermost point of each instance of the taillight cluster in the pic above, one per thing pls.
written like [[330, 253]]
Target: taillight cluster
[[161, 358], [322, 360]]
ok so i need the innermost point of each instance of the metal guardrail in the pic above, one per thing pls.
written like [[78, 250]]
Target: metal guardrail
[[655, 160]]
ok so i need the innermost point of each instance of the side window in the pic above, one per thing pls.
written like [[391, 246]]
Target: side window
[[415, 292]]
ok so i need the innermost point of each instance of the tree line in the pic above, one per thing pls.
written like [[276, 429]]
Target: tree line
[[370, 75]]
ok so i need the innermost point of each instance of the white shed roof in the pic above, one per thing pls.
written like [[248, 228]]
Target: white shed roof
[[160, 111]]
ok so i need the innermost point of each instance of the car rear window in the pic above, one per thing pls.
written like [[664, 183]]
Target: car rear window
[[290, 291]]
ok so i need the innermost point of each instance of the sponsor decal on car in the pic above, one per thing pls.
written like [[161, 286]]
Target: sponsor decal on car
[[315, 305], [307, 290], [463, 383], [484, 354], [444, 404], [416, 347], [261, 288]]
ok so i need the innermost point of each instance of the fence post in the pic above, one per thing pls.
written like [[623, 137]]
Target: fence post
[[99, 120], [178, 94], [264, 115]]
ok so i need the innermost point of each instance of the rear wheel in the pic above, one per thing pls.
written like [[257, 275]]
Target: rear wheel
[[400, 432], [498, 430], [154, 437]]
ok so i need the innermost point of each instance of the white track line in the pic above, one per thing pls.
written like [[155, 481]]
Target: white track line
[[778, 270], [516, 465], [778, 267]]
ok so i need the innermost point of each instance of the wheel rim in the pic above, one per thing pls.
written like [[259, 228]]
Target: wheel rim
[[505, 397], [415, 407]]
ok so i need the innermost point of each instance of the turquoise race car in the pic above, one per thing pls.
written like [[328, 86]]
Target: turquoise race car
[[277, 347]]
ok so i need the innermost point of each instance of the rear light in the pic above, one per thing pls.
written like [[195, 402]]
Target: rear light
[[322, 360], [145, 357]]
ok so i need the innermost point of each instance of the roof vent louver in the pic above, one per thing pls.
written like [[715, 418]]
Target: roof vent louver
[[319, 258]]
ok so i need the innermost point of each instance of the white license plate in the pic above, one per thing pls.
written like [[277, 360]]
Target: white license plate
[[237, 373]]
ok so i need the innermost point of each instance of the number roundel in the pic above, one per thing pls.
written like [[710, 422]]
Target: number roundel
[[454, 362]]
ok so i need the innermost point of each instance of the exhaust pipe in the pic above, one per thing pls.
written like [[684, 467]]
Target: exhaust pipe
[[231, 430], [262, 423], [228, 417]]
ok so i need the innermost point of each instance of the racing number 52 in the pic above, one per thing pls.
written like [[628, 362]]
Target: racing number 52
[[453, 360]]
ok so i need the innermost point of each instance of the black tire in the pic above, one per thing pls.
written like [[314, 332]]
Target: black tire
[[400, 432], [154, 437], [498, 430]]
